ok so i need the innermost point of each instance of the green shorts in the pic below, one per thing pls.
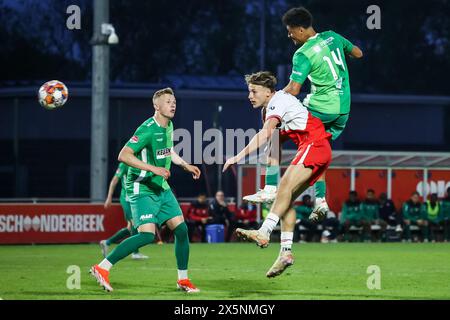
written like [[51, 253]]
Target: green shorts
[[334, 123], [157, 208], [126, 209]]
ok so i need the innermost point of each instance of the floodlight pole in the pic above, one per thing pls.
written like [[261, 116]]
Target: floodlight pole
[[100, 104]]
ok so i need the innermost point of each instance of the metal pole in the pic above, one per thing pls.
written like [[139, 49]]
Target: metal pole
[[425, 190], [262, 37], [239, 185], [389, 183], [352, 179], [258, 186], [100, 104], [17, 188]]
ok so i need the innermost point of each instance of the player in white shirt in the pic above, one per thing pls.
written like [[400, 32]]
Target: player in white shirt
[[284, 111]]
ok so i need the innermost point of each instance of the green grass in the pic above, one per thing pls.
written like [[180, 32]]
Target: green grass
[[233, 271]]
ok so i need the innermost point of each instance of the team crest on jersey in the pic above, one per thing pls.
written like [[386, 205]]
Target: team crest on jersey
[[162, 153], [134, 139]]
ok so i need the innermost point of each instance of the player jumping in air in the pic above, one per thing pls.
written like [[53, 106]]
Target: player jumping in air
[[313, 156], [321, 59], [149, 154], [121, 174]]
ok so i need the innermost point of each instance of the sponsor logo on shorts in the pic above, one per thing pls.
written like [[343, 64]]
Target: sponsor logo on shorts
[[146, 216], [134, 139]]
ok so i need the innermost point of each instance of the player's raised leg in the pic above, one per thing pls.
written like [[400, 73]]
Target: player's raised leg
[[145, 236], [294, 179]]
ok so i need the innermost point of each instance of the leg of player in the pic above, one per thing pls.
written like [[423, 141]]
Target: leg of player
[[272, 176], [293, 181], [180, 230], [285, 257], [119, 235], [136, 255], [145, 236], [321, 209]]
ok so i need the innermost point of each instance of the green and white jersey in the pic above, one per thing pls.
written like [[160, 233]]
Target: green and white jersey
[[321, 59], [121, 173], [152, 144]]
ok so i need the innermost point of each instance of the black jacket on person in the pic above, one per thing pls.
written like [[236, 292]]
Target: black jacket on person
[[219, 213], [387, 210]]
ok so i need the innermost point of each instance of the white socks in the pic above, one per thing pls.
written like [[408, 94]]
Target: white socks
[[270, 223], [105, 264], [319, 200], [269, 188], [286, 240], [182, 274]]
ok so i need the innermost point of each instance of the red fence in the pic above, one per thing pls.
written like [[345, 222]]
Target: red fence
[[58, 223]]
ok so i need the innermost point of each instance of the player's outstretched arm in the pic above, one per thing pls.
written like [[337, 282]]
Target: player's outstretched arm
[[176, 159], [257, 141], [356, 52], [127, 156], [112, 187], [293, 88]]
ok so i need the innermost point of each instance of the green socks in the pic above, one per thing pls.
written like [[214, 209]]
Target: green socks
[[119, 235], [320, 188], [181, 246], [272, 175], [130, 245], [134, 231]]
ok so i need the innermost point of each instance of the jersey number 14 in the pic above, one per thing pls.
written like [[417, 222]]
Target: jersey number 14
[[337, 58]]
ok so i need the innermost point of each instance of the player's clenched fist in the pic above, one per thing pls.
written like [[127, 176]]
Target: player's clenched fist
[[161, 172], [194, 170]]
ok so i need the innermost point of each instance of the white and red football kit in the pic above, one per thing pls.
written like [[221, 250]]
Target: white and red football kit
[[305, 130]]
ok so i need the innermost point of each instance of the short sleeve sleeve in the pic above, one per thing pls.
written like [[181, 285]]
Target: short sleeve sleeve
[[120, 170], [301, 67], [276, 108], [347, 46], [140, 139]]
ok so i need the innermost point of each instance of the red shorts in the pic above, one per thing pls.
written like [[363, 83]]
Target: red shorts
[[315, 155]]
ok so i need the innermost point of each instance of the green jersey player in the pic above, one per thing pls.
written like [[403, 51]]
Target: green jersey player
[[149, 154], [321, 59], [121, 175]]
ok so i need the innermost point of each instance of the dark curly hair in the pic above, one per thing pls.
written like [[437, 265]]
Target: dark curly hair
[[297, 17]]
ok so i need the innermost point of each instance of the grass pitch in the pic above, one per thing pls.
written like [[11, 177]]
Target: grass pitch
[[233, 271]]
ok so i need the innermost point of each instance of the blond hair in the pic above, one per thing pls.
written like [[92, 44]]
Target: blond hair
[[162, 92], [262, 78]]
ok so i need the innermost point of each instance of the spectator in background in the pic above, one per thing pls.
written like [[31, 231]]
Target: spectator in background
[[303, 211], [414, 214], [220, 214], [352, 215], [245, 217], [330, 228], [445, 208], [433, 211], [198, 216], [371, 212], [388, 213]]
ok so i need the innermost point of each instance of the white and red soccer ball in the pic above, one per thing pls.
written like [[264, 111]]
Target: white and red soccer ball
[[53, 94]]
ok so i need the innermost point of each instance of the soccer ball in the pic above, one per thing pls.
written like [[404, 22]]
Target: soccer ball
[[53, 94]]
